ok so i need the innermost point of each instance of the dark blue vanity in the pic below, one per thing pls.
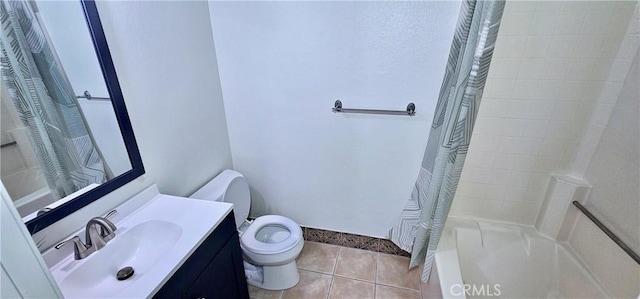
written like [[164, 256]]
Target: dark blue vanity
[[214, 270]]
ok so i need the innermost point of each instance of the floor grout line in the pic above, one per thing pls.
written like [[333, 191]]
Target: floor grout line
[[323, 273], [335, 263], [356, 279], [333, 273], [397, 287], [375, 276], [330, 286], [420, 281]]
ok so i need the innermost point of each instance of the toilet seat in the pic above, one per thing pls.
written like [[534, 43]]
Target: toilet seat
[[250, 243]]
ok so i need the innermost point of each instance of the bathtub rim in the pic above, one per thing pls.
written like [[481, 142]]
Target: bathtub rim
[[31, 197], [59, 202]]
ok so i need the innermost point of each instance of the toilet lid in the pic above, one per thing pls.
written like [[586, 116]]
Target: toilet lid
[[250, 243], [238, 194]]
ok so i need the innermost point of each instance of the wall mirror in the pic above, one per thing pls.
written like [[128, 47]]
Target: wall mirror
[[66, 136]]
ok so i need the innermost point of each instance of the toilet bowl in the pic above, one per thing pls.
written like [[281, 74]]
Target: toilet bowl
[[270, 244]]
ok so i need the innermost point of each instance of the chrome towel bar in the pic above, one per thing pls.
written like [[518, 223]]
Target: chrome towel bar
[[87, 95], [608, 232], [410, 111]]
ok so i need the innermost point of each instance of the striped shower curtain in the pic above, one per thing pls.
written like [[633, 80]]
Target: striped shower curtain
[[422, 220], [45, 102]]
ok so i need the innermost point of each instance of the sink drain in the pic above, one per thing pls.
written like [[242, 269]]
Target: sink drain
[[125, 273]]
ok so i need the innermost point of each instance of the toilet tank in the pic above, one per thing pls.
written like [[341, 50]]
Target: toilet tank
[[229, 186]]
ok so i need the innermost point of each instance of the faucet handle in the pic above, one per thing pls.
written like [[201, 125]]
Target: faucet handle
[[107, 236], [103, 233], [111, 213], [79, 249]]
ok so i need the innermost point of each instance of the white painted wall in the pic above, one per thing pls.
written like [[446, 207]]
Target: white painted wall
[[614, 171], [170, 84], [553, 63], [282, 66], [70, 37]]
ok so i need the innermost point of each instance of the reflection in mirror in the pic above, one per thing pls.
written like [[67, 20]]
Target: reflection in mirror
[[60, 136]]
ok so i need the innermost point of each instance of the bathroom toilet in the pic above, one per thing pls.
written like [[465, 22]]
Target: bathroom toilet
[[270, 244]]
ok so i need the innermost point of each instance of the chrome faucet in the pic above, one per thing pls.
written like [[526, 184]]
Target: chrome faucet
[[98, 232]]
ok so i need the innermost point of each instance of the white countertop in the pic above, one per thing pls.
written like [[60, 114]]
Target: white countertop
[[197, 218]]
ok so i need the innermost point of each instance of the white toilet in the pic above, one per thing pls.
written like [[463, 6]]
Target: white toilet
[[270, 244]]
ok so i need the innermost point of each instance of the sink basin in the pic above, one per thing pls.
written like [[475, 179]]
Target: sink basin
[[141, 247]]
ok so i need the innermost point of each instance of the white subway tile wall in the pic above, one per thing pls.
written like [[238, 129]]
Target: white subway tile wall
[[610, 93], [557, 69], [613, 171]]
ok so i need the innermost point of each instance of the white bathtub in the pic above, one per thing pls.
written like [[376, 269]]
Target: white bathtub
[[30, 192], [28, 189], [33, 202], [49, 201], [478, 259]]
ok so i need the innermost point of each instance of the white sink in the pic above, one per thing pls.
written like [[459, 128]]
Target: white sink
[[140, 247], [155, 240]]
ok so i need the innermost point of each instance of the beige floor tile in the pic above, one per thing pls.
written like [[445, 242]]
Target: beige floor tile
[[393, 270], [318, 257], [344, 288], [385, 292], [431, 293], [312, 285], [356, 263], [259, 293], [431, 288]]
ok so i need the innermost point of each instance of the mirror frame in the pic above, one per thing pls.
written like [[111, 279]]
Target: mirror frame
[[113, 86]]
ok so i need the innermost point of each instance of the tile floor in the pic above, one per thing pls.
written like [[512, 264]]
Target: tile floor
[[331, 271]]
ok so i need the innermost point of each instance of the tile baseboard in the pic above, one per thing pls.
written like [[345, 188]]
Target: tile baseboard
[[352, 241]]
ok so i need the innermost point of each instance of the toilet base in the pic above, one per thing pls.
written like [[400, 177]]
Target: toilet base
[[278, 277]]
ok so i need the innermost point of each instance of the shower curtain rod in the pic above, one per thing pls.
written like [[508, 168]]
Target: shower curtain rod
[[8, 144], [87, 95], [608, 232]]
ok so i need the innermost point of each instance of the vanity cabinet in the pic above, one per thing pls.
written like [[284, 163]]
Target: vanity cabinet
[[214, 270]]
